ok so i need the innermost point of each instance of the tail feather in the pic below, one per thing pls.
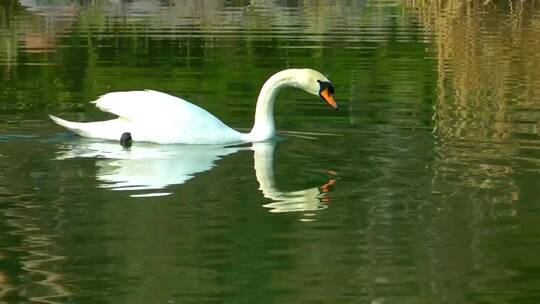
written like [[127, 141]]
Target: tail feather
[[108, 129], [73, 126]]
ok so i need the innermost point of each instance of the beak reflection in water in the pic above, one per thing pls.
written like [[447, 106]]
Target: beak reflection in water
[[148, 170]]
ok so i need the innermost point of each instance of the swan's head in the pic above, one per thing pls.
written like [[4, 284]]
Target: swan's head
[[317, 84]]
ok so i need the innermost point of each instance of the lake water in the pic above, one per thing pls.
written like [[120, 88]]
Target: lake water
[[423, 188]]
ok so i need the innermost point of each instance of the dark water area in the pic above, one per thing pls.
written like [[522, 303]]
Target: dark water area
[[422, 188]]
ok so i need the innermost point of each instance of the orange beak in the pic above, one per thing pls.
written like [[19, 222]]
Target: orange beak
[[327, 96]]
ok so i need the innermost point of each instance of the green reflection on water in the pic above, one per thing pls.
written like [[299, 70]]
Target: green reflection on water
[[434, 172]]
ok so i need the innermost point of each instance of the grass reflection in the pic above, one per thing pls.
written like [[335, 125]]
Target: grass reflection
[[488, 85], [486, 119], [488, 66]]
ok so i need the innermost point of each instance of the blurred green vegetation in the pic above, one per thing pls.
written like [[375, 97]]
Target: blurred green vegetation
[[466, 70], [207, 51]]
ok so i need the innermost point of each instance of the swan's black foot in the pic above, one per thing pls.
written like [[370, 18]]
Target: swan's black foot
[[125, 139]]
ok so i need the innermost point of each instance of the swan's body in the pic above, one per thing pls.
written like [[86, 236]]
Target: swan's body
[[152, 116], [157, 117]]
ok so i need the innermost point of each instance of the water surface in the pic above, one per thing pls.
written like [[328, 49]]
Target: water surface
[[423, 188]]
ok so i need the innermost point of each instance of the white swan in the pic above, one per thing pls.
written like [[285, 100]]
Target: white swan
[[157, 117]]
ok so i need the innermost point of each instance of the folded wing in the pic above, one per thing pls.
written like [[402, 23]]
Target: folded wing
[[152, 106]]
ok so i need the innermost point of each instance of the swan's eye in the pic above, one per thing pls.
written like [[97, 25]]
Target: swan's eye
[[325, 85]]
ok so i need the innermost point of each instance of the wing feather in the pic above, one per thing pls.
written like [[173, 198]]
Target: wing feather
[[159, 117], [150, 106]]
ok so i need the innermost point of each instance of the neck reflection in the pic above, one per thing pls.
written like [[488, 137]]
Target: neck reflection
[[309, 199]]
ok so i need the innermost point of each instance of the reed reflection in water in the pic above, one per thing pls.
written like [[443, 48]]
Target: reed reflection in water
[[487, 143], [488, 76], [488, 89]]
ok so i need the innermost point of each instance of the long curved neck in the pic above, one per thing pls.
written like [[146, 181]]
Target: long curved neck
[[264, 127]]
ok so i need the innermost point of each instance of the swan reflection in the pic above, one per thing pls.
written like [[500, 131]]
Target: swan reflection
[[309, 199], [155, 167]]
